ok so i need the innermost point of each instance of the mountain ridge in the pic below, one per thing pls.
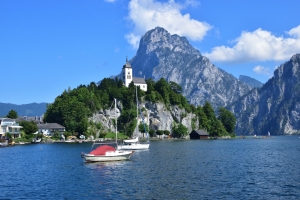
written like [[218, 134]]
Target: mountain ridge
[[31, 109], [250, 81], [274, 107], [162, 55]]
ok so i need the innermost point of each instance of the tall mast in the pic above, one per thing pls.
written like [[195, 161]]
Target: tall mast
[[137, 105], [116, 121]]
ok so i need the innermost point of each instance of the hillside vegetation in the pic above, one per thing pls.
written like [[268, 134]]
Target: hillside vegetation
[[73, 107]]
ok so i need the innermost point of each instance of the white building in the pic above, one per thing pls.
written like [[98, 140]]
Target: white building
[[48, 129], [128, 78], [10, 126]]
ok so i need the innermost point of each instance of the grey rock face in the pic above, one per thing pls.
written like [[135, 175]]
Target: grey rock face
[[159, 113], [162, 55], [156, 114], [250, 81], [275, 107]]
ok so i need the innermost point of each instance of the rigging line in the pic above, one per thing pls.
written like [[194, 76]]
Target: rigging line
[[143, 122], [141, 115], [112, 104], [110, 111]]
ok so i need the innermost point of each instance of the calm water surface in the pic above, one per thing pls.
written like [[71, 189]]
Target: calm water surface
[[214, 169]]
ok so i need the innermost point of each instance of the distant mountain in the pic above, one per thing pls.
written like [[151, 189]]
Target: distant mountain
[[274, 107], [259, 108], [162, 55], [32, 109], [250, 81]]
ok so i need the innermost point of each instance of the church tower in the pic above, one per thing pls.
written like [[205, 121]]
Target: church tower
[[127, 73]]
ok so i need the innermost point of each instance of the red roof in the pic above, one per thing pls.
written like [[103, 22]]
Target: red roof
[[102, 149]]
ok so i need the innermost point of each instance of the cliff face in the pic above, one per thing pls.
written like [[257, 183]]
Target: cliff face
[[162, 55], [162, 119], [156, 116], [275, 107]]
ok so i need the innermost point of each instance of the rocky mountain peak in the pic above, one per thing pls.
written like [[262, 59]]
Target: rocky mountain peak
[[296, 57], [162, 55], [161, 38], [288, 69]]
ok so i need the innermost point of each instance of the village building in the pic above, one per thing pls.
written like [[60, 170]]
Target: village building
[[127, 77], [198, 134], [35, 119], [48, 129], [10, 126]]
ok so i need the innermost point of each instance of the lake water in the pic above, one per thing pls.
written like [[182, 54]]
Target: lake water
[[170, 169]]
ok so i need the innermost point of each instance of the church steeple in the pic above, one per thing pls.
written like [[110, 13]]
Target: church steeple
[[127, 73], [127, 64], [127, 77]]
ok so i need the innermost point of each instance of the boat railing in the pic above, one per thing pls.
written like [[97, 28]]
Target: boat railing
[[98, 143]]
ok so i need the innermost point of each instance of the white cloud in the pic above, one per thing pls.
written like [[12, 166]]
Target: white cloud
[[262, 70], [148, 14], [133, 40], [259, 45], [295, 32]]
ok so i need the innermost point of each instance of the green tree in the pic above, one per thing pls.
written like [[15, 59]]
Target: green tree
[[217, 129], [154, 96], [166, 132], [143, 128], [151, 132], [209, 111], [74, 115], [127, 121], [159, 132], [202, 118], [150, 85], [162, 87], [8, 135], [175, 99], [175, 87], [211, 117], [69, 112], [227, 119], [12, 114], [180, 130], [29, 127]]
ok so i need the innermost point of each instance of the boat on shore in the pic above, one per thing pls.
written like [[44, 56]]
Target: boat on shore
[[36, 140], [71, 139]]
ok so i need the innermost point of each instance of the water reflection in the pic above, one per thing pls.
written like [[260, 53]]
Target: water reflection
[[224, 169], [101, 165]]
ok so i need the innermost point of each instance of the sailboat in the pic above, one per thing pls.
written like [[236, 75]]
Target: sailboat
[[134, 144], [106, 152]]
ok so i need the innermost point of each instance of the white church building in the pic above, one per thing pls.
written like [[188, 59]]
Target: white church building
[[128, 78]]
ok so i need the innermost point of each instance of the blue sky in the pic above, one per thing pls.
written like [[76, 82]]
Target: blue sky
[[52, 45]]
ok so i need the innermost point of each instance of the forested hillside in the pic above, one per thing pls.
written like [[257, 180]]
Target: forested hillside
[[73, 107]]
